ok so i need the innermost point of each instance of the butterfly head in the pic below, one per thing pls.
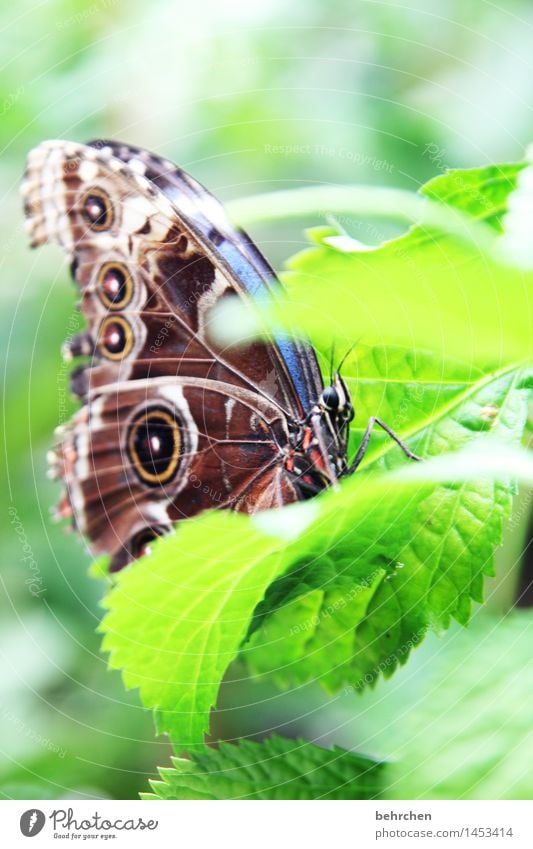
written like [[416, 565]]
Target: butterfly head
[[335, 402], [319, 456]]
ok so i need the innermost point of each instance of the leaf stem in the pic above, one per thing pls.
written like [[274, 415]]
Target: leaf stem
[[360, 201]]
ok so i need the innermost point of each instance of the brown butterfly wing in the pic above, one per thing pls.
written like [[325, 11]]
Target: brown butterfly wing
[[142, 246], [171, 424], [235, 252], [219, 441]]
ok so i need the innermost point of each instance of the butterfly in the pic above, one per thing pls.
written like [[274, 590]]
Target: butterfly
[[173, 423]]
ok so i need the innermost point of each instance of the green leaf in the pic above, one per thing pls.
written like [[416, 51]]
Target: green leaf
[[458, 295], [358, 575], [359, 201], [437, 295], [322, 623], [482, 193], [274, 769], [436, 404], [365, 571], [175, 620], [469, 734]]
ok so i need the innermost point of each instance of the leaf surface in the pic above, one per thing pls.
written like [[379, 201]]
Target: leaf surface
[[274, 769]]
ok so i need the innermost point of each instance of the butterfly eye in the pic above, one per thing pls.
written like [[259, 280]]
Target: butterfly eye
[[97, 209], [115, 338], [330, 398], [114, 285], [154, 446]]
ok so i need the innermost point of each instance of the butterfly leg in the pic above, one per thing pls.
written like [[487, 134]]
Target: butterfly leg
[[372, 422]]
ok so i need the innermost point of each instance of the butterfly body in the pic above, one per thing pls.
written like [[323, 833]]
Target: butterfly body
[[171, 422]]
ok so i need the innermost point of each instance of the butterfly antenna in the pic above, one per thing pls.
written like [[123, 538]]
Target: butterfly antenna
[[331, 361], [347, 354]]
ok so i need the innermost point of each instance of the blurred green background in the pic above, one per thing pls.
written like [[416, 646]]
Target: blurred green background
[[249, 97]]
